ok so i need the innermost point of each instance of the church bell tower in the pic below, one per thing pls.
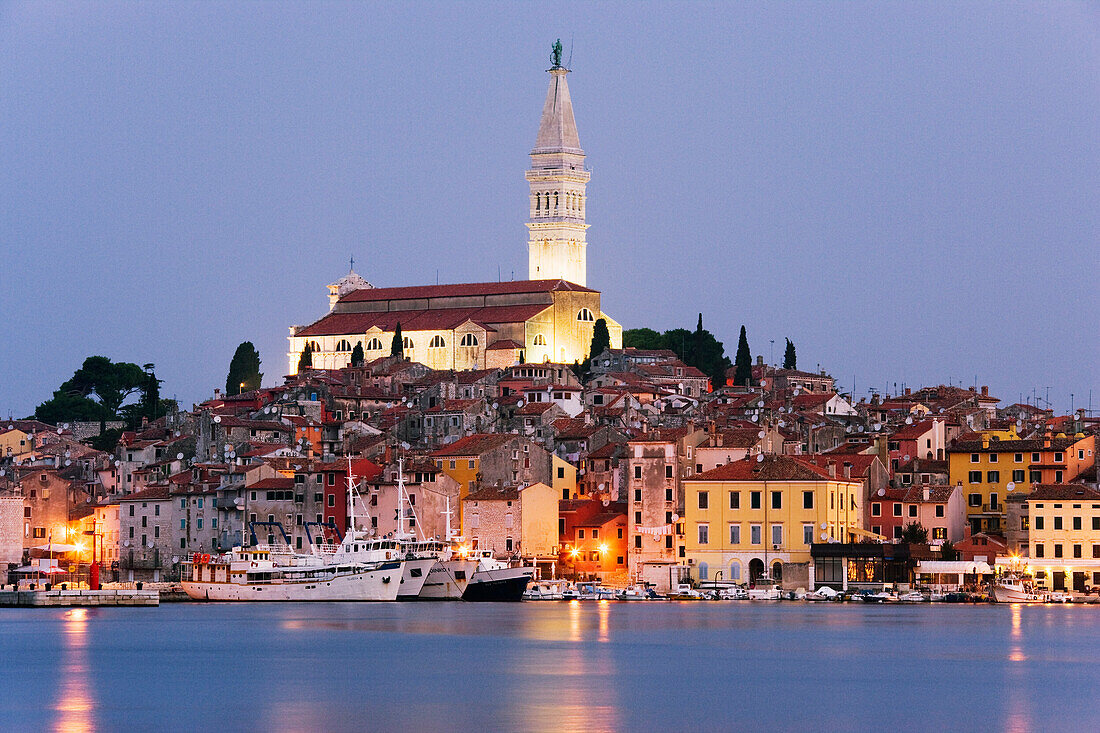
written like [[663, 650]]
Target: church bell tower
[[556, 228]]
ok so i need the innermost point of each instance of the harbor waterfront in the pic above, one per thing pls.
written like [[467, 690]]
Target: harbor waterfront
[[552, 666]]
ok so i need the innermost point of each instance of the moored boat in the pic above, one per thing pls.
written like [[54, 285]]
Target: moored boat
[[1013, 589]]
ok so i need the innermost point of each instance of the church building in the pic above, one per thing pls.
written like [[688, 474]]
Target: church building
[[549, 317]]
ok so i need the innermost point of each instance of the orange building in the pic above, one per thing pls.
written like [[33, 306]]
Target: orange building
[[594, 539]]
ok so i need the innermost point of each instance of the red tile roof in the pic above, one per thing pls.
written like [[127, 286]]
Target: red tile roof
[[772, 468], [442, 319], [474, 445], [503, 344], [273, 483], [460, 290]]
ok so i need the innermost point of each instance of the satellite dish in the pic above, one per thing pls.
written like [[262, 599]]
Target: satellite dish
[[847, 428], [675, 517], [2, 472], [606, 501], [761, 434], [753, 418], [67, 454], [68, 462], [126, 543], [759, 457], [496, 405], [782, 424], [906, 457], [59, 431], [1019, 423], [228, 447], [118, 462], [824, 536], [519, 403], [824, 525], [177, 433], [217, 418], [1011, 486], [861, 428], [179, 456], [909, 420], [882, 492], [878, 426], [549, 389]]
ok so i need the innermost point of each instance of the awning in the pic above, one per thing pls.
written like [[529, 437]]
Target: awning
[[57, 547], [864, 533], [954, 567]]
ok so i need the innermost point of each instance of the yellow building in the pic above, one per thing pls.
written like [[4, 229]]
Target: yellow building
[[753, 514], [550, 317], [989, 468], [14, 442], [563, 479], [1064, 536]]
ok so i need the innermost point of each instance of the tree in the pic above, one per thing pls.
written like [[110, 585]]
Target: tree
[[97, 391], [698, 348], [742, 365], [357, 355], [644, 338], [305, 361], [948, 551], [244, 370], [790, 359], [914, 534], [601, 339], [397, 346]]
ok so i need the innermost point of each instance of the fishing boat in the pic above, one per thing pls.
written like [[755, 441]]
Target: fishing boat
[[764, 589], [497, 580], [1014, 589], [546, 590]]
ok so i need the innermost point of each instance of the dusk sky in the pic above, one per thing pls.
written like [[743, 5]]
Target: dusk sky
[[907, 191]]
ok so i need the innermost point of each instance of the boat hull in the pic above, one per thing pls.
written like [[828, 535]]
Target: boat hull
[[378, 584], [506, 584], [414, 576], [447, 580], [1004, 594]]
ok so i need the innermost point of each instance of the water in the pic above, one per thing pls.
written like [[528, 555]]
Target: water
[[551, 666]]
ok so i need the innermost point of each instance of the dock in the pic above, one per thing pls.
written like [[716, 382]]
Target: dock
[[77, 598]]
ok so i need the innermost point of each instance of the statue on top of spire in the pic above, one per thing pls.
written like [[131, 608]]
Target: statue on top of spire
[[555, 54]]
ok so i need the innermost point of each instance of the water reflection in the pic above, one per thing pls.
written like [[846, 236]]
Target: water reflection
[[1017, 705], [73, 706]]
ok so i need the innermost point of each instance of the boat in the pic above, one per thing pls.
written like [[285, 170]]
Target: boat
[[824, 593], [733, 593], [880, 597], [1014, 589], [497, 580], [359, 569], [764, 589], [636, 593], [912, 597], [684, 592], [546, 590]]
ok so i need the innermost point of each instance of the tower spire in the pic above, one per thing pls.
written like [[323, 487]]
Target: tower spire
[[556, 227]]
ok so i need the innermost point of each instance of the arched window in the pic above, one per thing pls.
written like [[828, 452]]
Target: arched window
[[585, 315], [343, 345], [538, 204], [468, 340], [735, 570], [539, 340], [704, 571], [313, 346], [375, 344], [437, 343], [406, 343]]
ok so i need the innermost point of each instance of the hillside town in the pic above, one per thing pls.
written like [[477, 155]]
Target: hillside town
[[638, 470]]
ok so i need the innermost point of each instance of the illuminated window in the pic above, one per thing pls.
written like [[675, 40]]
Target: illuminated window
[[343, 345], [375, 344], [539, 340], [437, 342], [468, 340], [585, 315]]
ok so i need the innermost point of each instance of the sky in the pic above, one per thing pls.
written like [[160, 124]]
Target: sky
[[907, 191]]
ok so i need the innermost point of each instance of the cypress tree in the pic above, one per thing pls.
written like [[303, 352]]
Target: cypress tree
[[357, 356], [244, 368], [790, 359], [601, 339], [397, 346], [305, 361], [742, 364]]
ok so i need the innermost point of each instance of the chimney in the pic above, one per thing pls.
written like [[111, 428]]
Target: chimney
[[759, 361], [217, 393], [908, 391], [1046, 439], [847, 470], [832, 470], [985, 391], [927, 494], [985, 440]]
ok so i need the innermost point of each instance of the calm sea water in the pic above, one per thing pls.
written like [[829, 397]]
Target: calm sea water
[[551, 666]]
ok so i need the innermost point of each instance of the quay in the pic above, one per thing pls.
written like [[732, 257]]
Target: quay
[[78, 598]]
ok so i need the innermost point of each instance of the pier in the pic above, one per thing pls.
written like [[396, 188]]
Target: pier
[[78, 598]]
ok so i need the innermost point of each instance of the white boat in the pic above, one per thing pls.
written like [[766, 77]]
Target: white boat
[[546, 590], [636, 593], [1013, 589], [912, 597], [733, 593], [880, 597], [824, 593], [356, 570], [764, 589], [684, 592]]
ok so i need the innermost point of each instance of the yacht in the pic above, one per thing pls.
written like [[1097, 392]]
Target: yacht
[[764, 589]]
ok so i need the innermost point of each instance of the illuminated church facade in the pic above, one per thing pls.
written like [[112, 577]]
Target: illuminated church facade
[[549, 317]]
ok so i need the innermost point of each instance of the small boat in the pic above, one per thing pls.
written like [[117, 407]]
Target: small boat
[[636, 593], [497, 580], [684, 592], [880, 597], [912, 597], [733, 593], [546, 590], [764, 589], [824, 593]]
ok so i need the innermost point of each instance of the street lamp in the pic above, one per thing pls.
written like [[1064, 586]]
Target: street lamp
[[573, 555]]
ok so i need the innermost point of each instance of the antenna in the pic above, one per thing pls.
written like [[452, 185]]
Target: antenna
[[569, 63]]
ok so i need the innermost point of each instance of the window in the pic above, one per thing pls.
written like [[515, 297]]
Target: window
[[755, 534], [638, 541], [1077, 523], [595, 532], [468, 340], [156, 530], [704, 534], [912, 510], [619, 531], [437, 342], [1038, 523], [637, 471], [897, 510], [1057, 523], [1059, 457], [754, 500], [585, 315], [156, 510], [975, 458], [993, 477], [1077, 550], [974, 499], [580, 534], [1018, 476], [704, 499], [637, 517], [807, 534], [939, 533], [1096, 524], [777, 534], [735, 534], [1040, 550], [1057, 550], [332, 499], [735, 500], [539, 340], [1035, 477], [1035, 457], [1057, 477], [975, 477], [637, 495], [375, 344], [471, 465], [1096, 550], [939, 510], [808, 500], [777, 500], [992, 457], [343, 345], [668, 471], [1018, 458], [561, 471]]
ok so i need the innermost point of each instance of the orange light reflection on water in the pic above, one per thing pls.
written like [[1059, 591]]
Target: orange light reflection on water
[[74, 700]]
